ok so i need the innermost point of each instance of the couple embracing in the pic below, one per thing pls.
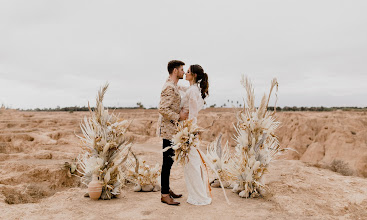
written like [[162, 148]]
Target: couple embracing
[[172, 109]]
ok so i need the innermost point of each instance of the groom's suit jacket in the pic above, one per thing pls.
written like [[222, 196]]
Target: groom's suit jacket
[[169, 109]]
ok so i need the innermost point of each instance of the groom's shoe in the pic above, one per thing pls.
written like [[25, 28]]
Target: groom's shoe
[[171, 193], [169, 200]]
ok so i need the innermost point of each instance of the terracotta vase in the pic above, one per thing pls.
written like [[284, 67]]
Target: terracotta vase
[[95, 188]]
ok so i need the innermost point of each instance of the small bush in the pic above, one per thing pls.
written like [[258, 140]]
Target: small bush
[[341, 167]]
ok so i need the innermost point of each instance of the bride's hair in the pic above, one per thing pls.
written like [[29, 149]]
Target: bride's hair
[[201, 78]]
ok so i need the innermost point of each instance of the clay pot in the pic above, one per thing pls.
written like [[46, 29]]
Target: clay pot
[[95, 188]]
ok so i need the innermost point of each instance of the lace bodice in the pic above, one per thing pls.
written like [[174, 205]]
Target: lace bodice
[[192, 100]]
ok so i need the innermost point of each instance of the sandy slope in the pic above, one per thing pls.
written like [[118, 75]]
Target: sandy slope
[[35, 145]]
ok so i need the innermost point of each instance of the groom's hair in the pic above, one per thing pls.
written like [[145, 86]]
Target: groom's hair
[[174, 64]]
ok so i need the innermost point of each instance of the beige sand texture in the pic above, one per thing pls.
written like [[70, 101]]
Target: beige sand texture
[[35, 185]]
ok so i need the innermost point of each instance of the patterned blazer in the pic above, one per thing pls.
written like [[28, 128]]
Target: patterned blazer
[[169, 110]]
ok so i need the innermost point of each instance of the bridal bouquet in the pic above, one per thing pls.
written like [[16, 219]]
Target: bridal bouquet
[[186, 137], [142, 175], [256, 146], [105, 148]]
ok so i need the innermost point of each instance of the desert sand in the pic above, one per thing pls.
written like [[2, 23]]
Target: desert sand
[[34, 184]]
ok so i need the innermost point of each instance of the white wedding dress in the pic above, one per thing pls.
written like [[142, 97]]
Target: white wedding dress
[[195, 171]]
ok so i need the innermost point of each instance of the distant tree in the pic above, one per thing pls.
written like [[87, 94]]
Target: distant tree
[[140, 105]]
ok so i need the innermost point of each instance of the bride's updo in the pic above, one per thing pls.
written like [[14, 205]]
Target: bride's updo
[[201, 79]]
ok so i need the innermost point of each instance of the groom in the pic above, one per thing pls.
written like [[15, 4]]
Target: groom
[[170, 112]]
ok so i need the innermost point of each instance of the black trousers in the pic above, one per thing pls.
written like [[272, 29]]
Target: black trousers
[[166, 166]]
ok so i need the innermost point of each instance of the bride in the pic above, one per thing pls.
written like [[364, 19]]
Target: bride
[[195, 170]]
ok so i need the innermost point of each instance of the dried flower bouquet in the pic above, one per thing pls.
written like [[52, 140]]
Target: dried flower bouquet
[[186, 137], [106, 148], [256, 146], [142, 175]]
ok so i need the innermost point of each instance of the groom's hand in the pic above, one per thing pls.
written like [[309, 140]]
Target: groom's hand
[[183, 115]]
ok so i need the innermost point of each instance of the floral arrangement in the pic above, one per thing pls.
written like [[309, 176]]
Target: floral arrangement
[[219, 158], [105, 148], [142, 175], [256, 146], [186, 137]]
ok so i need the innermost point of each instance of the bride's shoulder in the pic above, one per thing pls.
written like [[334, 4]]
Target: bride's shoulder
[[194, 91], [196, 88]]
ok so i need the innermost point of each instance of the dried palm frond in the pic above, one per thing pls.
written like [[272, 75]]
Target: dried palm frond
[[219, 158], [256, 146], [142, 175], [106, 148], [250, 93]]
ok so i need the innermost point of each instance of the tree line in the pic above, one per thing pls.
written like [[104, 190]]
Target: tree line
[[270, 108]]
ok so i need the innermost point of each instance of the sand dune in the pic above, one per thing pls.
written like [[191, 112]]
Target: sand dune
[[34, 183]]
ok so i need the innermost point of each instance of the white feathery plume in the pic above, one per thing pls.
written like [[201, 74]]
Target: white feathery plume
[[256, 146]]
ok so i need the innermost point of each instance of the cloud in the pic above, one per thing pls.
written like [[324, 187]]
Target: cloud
[[60, 53]]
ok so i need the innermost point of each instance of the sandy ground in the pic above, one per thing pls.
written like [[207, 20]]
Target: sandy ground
[[35, 185]]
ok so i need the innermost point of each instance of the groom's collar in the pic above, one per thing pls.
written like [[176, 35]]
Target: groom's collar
[[171, 80]]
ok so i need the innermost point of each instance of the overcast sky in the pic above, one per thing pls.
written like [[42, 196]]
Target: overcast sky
[[58, 53]]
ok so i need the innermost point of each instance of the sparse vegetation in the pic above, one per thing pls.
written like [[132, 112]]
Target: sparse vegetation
[[341, 167], [140, 105], [76, 109], [312, 109], [318, 109], [270, 108]]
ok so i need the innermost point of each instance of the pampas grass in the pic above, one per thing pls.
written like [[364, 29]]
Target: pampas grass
[[256, 146], [105, 148]]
